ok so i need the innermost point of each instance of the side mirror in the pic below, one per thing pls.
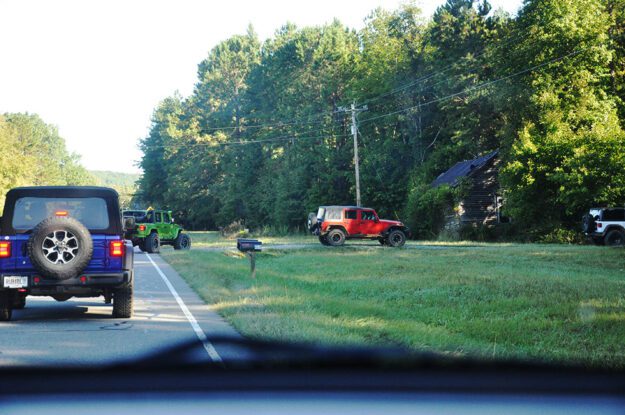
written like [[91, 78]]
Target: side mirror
[[129, 222]]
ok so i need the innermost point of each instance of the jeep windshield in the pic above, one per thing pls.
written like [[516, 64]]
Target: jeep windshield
[[30, 211], [404, 174]]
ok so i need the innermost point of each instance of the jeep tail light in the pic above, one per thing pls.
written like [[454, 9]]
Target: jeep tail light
[[61, 213], [116, 248], [5, 249], [141, 228], [599, 225]]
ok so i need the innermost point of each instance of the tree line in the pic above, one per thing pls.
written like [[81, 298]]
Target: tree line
[[263, 139], [33, 154]]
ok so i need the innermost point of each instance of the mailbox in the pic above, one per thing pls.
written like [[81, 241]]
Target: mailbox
[[249, 245]]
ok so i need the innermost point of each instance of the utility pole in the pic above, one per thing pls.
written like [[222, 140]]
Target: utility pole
[[354, 111]]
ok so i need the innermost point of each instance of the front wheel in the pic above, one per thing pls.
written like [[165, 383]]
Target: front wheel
[[396, 238], [182, 241], [615, 238]]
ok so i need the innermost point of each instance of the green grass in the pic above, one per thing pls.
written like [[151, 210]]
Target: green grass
[[529, 301], [212, 239]]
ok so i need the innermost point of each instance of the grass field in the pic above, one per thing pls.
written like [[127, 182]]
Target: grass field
[[531, 301], [212, 239]]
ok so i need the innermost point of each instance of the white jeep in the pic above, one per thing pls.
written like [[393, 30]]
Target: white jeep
[[605, 226]]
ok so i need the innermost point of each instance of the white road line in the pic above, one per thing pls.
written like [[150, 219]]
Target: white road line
[[210, 349]]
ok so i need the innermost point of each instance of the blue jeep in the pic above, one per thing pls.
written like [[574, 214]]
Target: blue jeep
[[64, 242]]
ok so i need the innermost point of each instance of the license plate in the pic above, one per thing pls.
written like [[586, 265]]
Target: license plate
[[15, 282]]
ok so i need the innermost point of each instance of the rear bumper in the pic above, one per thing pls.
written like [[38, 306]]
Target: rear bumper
[[82, 284], [595, 234]]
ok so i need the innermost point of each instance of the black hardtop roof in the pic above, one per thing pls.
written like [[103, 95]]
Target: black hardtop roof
[[63, 191], [110, 195], [346, 207]]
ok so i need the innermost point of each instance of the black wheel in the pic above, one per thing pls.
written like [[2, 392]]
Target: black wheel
[[182, 241], [5, 306], [60, 248], [324, 240], [141, 246], [336, 237], [19, 302], [152, 243], [615, 238], [396, 238], [61, 297], [122, 302]]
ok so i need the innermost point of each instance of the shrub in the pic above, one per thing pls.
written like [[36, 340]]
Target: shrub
[[427, 208], [563, 236], [235, 230]]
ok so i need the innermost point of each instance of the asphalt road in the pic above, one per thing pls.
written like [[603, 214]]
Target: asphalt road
[[82, 331]]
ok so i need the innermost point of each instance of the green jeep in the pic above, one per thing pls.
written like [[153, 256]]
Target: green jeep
[[154, 229]]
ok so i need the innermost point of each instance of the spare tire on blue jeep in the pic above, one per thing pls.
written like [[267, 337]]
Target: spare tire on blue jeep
[[60, 247]]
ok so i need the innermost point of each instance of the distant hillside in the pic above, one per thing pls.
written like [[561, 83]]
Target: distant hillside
[[124, 183], [114, 179]]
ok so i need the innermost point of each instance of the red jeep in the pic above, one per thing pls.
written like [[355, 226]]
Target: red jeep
[[335, 224]]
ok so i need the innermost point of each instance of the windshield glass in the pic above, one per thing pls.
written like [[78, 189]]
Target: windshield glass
[[29, 211], [439, 176]]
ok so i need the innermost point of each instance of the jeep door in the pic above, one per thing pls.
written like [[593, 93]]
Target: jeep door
[[369, 223], [163, 228], [167, 227], [352, 222]]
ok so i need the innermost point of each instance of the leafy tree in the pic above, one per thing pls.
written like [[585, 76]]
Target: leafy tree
[[33, 154], [565, 156]]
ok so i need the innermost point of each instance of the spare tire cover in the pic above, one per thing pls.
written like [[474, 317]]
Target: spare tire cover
[[312, 222], [60, 248], [588, 223]]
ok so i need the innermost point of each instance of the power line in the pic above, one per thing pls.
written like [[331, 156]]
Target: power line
[[285, 138], [293, 137], [316, 115], [288, 122], [482, 85], [431, 75]]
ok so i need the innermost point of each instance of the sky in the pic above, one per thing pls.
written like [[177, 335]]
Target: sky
[[97, 69]]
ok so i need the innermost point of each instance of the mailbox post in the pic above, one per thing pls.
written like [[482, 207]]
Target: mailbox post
[[250, 247]]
